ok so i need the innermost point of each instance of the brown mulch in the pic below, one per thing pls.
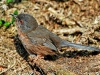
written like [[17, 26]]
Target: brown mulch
[[77, 21]]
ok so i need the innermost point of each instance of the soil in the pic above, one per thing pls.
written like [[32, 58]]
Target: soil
[[77, 21]]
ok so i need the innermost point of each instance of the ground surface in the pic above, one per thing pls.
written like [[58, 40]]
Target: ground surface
[[77, 21]]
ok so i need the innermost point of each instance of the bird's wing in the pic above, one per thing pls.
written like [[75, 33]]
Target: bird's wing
[[42, 42], [49, 45], [41, 39]]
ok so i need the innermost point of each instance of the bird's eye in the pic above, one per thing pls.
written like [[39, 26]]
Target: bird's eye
[[21, 21]]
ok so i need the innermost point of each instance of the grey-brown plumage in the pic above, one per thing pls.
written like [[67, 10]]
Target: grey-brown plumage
[[38, 40]]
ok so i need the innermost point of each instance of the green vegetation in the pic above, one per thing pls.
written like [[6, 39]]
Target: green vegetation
[[13, 19], [9, 1], [6, 23], [1, 22]]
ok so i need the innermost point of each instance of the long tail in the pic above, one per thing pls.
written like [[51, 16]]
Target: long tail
[[66, 43]]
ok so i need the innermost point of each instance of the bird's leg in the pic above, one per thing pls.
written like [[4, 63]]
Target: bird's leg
[[35, 57], [38, 57]]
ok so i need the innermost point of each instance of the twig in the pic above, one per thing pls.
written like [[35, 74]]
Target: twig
[[44, 1], [8, 68], [69, 31], [39, 69], [61, 17]]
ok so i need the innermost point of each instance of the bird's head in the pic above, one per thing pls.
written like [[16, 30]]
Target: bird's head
[[25, 22]]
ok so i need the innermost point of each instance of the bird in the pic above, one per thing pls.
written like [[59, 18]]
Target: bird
[[38, 40]]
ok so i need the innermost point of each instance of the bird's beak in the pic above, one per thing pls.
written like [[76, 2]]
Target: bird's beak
[[15, 16]]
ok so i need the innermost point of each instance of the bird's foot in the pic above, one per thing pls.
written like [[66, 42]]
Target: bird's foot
[[34, 58], [38, 57]]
